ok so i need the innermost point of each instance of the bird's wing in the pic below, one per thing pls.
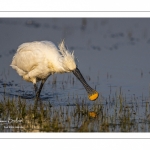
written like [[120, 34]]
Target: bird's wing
[[26, 59]]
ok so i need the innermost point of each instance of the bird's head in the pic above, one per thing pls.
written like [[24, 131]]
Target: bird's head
[[69, 63], [68, 59]]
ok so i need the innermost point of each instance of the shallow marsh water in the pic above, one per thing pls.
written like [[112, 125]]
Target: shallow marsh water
[[113, 56]]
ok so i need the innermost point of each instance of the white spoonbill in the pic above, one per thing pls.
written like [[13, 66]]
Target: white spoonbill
[[36, 61]]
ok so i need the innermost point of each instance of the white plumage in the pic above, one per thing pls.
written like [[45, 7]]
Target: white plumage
[[36, 61]]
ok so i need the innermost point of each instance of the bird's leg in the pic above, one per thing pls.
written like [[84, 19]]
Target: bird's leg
[[41, 86], [36, 101], [35, 87]]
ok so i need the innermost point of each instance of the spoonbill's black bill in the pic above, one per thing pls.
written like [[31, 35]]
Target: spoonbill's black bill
[[92, 94]]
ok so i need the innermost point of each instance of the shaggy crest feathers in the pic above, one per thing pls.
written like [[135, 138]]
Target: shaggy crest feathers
[[68, 60]]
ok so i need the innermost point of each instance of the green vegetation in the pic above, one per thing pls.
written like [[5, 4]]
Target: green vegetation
[[104, 115]]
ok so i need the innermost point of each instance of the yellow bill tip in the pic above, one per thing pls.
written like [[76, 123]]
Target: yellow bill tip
[[93, 96]]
